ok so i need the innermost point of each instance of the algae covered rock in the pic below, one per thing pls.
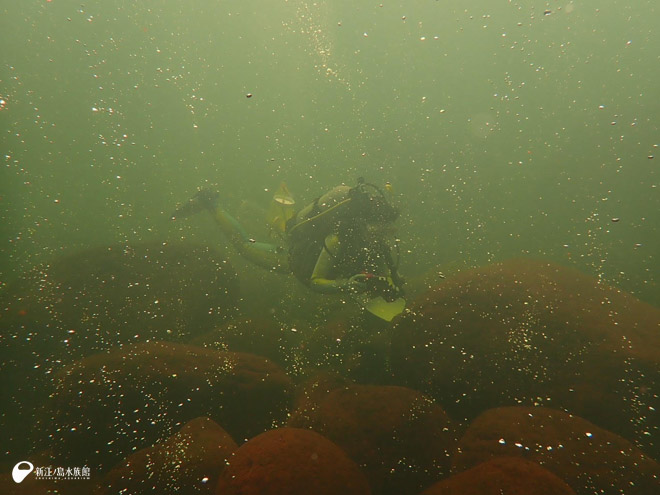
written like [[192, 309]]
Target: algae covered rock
[[107, 405], [96, 299], [510, 475], [378, 426], [261, 335], [189, 462], [531, 332], [588, 458], [291, 461]]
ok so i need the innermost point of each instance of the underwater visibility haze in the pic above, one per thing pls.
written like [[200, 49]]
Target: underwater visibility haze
[[519, 142]]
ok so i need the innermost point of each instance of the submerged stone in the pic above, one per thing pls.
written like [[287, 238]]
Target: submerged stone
[[97, 299], [259, 335], [400, 437], [509, 475], [108, 405], [189, 462], [291, 461], [531, 332], [588, 458]]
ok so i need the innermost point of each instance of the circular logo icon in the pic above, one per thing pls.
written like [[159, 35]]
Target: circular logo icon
[[21, 470]]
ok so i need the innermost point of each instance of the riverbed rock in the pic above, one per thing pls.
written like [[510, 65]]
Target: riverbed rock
[[93, 300], [509, 475], [316, 388], [531, 332], [108, 405], [260, 335], [29, 486], [588, 458], [291, 461], [399, 436], [187, 463]]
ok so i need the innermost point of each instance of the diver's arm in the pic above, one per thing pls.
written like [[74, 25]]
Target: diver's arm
[[320, 280]]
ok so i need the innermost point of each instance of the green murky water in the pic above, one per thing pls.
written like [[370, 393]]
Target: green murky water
[[506, 128]]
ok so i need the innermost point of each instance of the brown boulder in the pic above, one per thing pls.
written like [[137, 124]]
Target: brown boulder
[[110, 404], [189, 462], [102, 297], [291, 461], [590, 459], [33, 486], [531, 332], [316, 388], [96, 299], [325, 344], [350, 342], [29, 486], [400, 437], [510, 475], [259, 335]]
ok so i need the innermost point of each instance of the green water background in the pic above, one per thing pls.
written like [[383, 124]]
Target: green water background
[[506, 128]]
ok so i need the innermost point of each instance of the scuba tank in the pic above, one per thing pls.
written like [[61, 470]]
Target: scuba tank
[[319, 218], [342, 202], [308, 230]]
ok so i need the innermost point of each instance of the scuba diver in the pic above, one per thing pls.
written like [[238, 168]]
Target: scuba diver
[[336, 244]]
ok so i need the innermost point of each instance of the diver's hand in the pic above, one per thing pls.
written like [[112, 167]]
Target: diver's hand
[[357, 283]]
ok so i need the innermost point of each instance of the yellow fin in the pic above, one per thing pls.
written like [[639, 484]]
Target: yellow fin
[[385, 310], [282, 209]]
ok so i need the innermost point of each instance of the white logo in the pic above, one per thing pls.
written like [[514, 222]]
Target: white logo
[[21, 470]]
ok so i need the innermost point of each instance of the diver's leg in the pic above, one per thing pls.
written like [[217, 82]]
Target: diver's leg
[[266, 255]]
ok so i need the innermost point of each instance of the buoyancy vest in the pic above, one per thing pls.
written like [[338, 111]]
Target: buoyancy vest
[[308, 230]]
